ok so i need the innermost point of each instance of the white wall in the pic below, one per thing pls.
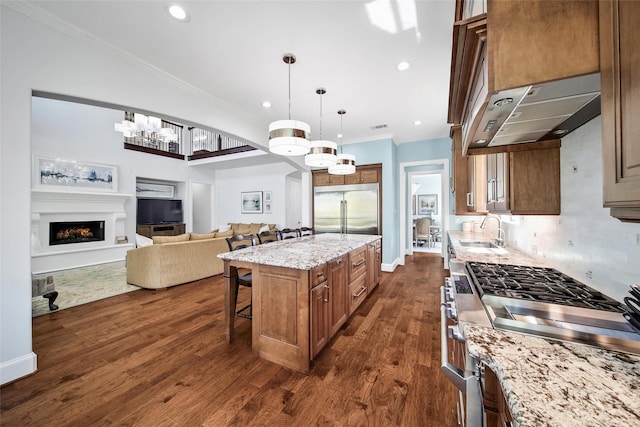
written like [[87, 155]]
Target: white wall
[[37, 57], [584, 242], [230, 183]]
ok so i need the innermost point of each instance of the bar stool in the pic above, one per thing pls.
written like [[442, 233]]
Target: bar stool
[[289, 233], [306, 231], [268, 236], [236, 242]]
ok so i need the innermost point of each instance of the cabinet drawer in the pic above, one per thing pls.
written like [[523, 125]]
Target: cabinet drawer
[[357, 293], [318, 275], [357, 263]]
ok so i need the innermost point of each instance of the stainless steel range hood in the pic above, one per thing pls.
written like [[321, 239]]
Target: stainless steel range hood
[[536, 113]]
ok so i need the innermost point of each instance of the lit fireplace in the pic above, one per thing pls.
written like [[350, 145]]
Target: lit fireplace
[[62, 233]]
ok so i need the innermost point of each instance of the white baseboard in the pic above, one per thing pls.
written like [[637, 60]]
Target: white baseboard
[[390, 268], [19, 367]]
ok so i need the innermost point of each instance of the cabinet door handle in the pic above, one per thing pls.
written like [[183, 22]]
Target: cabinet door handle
[[359, 263], [362, 289], [326, 289], [469, 199]]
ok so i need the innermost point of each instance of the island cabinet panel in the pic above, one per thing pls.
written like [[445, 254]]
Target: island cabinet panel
[[357, 293], [338, 302], [281, 335], [495, 406], [374, 251], [357, 263], [320, 314]]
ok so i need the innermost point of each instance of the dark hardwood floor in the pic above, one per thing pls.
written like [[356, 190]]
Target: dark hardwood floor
[[159, 358]]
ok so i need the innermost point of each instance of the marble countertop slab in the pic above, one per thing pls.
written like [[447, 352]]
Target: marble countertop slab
[[556, 383], [507, 255], [549, 382], [302, 253]]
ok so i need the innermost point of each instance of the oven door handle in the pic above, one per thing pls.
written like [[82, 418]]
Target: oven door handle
[[455, 374]]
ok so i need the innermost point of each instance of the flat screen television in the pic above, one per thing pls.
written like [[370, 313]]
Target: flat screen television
[[159, 211]]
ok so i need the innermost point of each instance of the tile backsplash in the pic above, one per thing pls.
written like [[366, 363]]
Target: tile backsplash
[[584, 241]]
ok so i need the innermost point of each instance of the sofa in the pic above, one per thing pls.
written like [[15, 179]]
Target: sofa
[[174, 260]]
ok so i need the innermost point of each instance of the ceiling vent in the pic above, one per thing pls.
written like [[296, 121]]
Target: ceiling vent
[[378, 127]]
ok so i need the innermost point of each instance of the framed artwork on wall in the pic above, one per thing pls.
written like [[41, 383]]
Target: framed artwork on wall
[[427, 204], [70, 175], [251, 202], [156, 191]]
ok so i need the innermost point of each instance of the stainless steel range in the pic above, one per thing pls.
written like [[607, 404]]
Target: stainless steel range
[[537, 301]]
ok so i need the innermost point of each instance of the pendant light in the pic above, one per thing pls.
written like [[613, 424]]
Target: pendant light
[[289, 137], [346, 163], [322, 153]]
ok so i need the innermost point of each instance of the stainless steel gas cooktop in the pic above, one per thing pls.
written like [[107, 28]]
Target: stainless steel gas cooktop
[[545, 302]]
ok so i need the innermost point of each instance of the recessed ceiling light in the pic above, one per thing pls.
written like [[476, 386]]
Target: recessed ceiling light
[[417, 122], [339, 135], [402, 66], [266, 104], [179, 13]]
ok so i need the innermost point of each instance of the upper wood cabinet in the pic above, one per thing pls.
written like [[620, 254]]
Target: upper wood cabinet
[[514, 45], [620, 88], [524, 181], [365, 174], [469, 173]]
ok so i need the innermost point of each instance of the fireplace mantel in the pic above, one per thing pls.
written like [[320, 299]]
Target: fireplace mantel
[[59, 206]]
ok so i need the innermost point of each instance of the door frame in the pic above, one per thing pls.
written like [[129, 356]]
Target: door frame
[[405, 202]]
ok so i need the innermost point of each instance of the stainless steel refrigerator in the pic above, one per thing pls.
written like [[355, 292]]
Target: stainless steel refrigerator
[[352, 209]]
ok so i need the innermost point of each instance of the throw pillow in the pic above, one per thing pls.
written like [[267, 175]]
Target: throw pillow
[[159, 240], [243, 231], [202, 236], [224, 228], [142, 241], [228, 233], [272, 227], [265, 228], [234, 225], [255, 228]]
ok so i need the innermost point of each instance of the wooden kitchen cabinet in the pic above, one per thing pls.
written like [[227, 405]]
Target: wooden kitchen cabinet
[[319, 318], [469, 173], [338, 303], [497, 182], [374, 257], [362, 176], [620, 91], [321, 178], [514, 45], [496, 410], [524, 181], [357, 290]]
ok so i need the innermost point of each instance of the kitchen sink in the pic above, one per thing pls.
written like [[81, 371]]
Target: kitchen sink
[[478, 244]]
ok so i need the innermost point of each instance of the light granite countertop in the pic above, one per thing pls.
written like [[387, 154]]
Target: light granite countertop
[[302, 253], [549, 382]]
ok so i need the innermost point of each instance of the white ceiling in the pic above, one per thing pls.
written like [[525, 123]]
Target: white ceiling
[[233, 51]]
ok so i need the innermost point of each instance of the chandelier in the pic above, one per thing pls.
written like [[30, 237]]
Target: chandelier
[[346, 163], [145, 129], [289, 137], [322, 153]]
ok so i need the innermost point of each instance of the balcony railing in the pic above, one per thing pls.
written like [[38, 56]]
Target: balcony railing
[[206, 143]]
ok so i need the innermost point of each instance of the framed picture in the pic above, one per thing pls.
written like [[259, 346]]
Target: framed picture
[[155, 191], [71, 175], [427, 204], [251, 202], [413, 205], [267, 207], [267, 196]]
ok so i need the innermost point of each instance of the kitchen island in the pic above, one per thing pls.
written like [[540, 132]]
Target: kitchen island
[[303, 290], [548, 382]]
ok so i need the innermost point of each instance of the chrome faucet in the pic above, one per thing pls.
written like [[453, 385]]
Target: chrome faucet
[[500, 238]]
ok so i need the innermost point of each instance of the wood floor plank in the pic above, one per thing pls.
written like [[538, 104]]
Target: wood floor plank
[[160, 358]]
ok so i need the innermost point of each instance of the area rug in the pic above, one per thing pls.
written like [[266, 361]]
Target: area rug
[[85, 284]]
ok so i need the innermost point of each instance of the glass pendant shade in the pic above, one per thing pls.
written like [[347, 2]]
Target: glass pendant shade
[[322, 154], [345, 165], [289, 137]]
